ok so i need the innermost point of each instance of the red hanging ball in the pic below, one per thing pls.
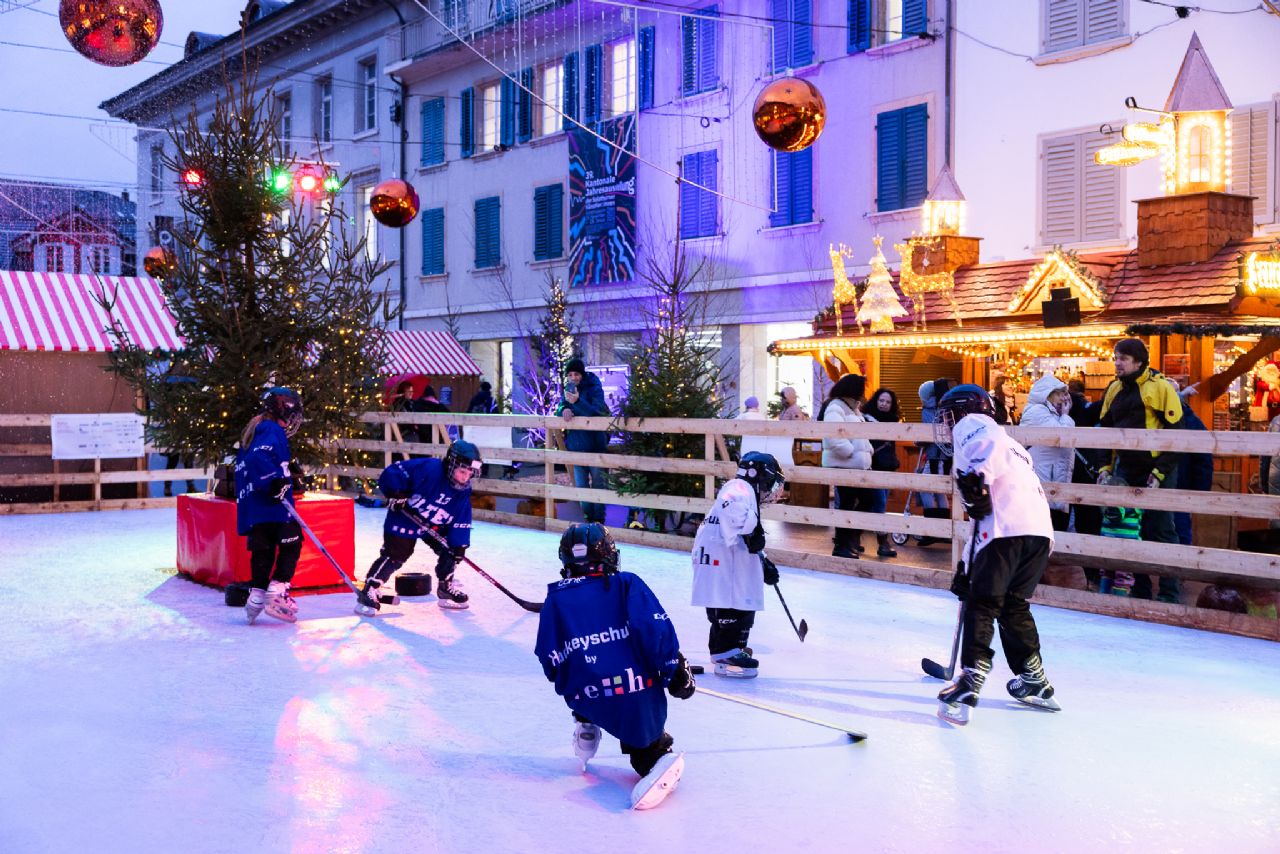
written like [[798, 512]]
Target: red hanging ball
[[789, 114], [119, 32], [158, 262], [394, 203]]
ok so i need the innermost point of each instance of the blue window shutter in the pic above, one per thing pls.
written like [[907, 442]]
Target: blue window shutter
[[781, 14], [801, 186], [467, 125], [541, 228], [692, 172], [709, 203], [555, 220], [488, 233], [781, 190], [433, 131], [915, 155], [708, 32], [889, 134], [524, 131], [859, 25], [913, 18], [507, 112], [645, 67], [802, 33], [688, 56], [433, 242], [570, 90], [592, 82]]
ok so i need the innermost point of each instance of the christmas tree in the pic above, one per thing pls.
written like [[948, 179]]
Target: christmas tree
[[541, 379], [674, 374], [880, 303], [267, 289]]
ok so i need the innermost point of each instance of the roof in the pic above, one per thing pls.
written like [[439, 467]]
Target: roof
[[418, 351], [26, 205], [945, 188], [62, 312], [1197, 87]]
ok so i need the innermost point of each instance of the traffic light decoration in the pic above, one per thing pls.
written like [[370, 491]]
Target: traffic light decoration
[[307, 179]]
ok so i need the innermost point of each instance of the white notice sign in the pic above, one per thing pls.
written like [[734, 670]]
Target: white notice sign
[[108, 435]]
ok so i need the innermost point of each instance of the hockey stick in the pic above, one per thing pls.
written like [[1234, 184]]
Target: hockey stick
[[311, 535], [928, 665], [535, 607], [803, 628], [853, 735]]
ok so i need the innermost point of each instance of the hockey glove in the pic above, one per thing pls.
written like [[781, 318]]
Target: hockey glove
[[770, 570], [975, 494], [277, 489], [960, 583], [298, 477], [755, 540], [682, 684]]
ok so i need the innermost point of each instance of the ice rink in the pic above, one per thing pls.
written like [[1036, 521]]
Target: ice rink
[[141, 714]]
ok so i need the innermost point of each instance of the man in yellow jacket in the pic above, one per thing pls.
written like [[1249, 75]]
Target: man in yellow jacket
[[1140, 398]]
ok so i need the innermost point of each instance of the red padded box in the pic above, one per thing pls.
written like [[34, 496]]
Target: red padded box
[[211, 552]]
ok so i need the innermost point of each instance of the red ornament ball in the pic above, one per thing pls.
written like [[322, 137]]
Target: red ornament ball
[[119, 32], [789, 114], [158, 262], [394, 203]]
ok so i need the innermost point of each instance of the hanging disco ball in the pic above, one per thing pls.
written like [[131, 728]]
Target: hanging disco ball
[[789, 114], [158, 262], [115, 33], [394, 203]]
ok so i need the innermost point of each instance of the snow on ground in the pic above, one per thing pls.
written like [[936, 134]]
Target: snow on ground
[[141, 714]]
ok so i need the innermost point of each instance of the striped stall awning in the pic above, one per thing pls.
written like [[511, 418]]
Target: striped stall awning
[[413, 351], [64, 312]]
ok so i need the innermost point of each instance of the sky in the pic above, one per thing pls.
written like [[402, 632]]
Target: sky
[[42, 73]]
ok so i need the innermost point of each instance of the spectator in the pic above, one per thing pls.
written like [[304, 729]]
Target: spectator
[[428, 402], [1003, 392], [884, 457], [1047, 406], [1271, 469], [933, 504], [402, 401], [1194, 472], [751, 409], [791, 410], [1088, 517], [844, 404], [1140, 398], [584, 396], [482, 401]]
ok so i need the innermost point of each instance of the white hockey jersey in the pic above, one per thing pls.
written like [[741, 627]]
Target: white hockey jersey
[[1019, 505], [725, 574]]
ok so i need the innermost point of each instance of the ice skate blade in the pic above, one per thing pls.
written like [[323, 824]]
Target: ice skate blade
[[661, 781], [450, 605], [1044, 704], [736, 672], [283, 616], [955, 713]]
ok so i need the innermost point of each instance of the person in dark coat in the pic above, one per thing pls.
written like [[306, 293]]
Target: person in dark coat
[[884, 457], [482, 401], [584, 396], [1195, 471], [1088, 517]]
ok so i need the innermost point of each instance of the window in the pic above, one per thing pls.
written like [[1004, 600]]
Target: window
[[792, 34], [902, 158], [324, 98], [99, 259], [364, 197], [698, 51], [1252, 160], [455, 13], [157, 168], [645, 82], [367, 96], [548, 222], [53, 262], [699, 209], [284, 107], [433, 242], [1066, 24], [570, 91], [1080, 201], [793, 188], [433, 131], [551, 90], [877, 22], [490, 114], [488, 232], [622, 77]]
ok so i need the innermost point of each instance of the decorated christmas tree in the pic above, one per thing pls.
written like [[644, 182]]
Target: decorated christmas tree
[[267, 289], [541, 379], [880, 303]]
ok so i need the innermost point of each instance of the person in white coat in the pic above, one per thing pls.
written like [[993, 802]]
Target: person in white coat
[[844, 405], [1047, 406], [730, 568], [1002, 494]]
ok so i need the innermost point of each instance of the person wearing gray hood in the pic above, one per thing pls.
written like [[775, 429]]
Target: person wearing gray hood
[[1047, 406], [933, 504]]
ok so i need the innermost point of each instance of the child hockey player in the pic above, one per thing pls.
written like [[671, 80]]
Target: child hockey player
[[439, 493], [730, 568], [606, 642], [1013, 531], [263, 484]]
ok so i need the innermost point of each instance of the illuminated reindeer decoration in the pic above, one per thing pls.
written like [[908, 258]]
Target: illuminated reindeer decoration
[[915, 285], [843, 292]]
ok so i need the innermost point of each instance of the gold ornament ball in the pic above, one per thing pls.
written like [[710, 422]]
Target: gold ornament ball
[[115, 33], [158, 262], [394, 203], [789, 114]]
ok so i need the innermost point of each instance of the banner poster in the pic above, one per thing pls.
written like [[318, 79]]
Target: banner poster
[[602, 203]]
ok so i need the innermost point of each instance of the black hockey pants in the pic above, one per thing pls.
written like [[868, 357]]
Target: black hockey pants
[[730, 629], [1003, 577], [273, 545], [396, 550]]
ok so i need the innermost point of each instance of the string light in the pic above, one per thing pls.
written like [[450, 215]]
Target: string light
[[994, 338], [1066, 265]]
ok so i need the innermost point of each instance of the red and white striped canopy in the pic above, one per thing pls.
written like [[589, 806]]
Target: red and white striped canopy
[[414, 351], [62, 312]]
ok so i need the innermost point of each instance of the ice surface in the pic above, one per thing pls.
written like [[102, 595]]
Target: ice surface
[[138, 713]]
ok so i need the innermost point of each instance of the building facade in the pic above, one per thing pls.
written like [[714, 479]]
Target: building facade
[[62, 229]]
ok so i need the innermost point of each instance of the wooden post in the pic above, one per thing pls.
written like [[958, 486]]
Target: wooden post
[[57, 483], [957, 525], [549, 475], [709, 480], [97, 483], [386, 437]]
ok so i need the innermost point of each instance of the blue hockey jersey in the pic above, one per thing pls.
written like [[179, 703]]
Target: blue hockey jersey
[[432, 496], [610, 652], [266, 459]]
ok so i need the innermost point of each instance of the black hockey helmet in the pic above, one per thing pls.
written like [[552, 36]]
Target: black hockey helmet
[[962, 400], [762, 471], [284, 405], [586, 547], [462, 456]]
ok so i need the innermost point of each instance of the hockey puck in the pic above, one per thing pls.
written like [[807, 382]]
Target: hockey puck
[[236, 594], [413, 584], [697, 669]]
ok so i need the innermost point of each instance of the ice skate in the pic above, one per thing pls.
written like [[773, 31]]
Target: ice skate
[[367, 600], [280, 604], [960, 697], [586, 741], [1032, 687], [449, 594], [661, 781], [256, 602], [739, 665]]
